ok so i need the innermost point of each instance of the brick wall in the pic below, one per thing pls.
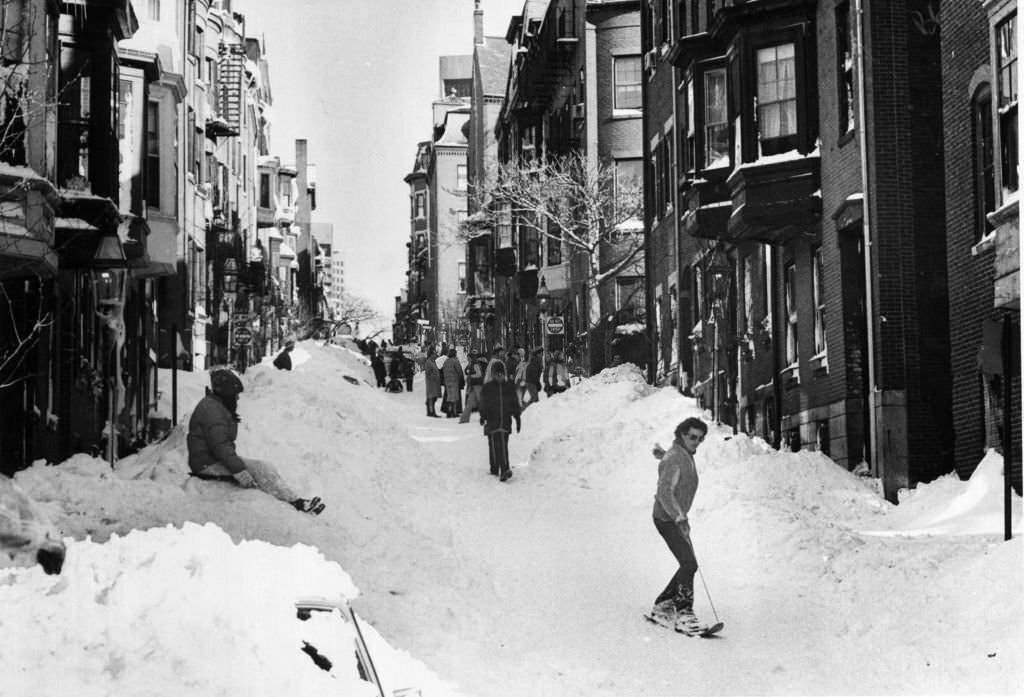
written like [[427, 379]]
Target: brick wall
[[965, 52]]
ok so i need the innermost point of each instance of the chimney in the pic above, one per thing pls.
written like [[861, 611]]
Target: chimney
[[478, 24]]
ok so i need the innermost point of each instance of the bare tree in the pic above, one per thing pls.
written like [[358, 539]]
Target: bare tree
[[352, 310], [588, 206]]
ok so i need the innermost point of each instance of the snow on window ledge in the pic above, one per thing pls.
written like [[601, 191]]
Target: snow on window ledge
[[819, 361], [984, 244]]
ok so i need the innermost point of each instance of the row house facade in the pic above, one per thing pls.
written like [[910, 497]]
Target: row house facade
[[795, 180], [127, 167], [979, 93], [572, 89], [432, 306]]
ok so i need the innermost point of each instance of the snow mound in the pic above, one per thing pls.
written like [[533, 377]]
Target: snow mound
[[170, 610], [950, 506]]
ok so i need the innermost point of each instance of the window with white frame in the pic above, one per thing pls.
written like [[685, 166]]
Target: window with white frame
[[627, 73], [504, 225], [776, 91], [792, 349], [716, 120], [462, 277], [629, 292], [817, 271], [1006, 58], [421, 205], [460, 178]]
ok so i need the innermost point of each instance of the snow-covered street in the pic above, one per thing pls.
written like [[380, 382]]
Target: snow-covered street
[[468, 586]]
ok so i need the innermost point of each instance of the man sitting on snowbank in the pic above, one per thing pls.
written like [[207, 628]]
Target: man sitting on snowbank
[[212, 431]]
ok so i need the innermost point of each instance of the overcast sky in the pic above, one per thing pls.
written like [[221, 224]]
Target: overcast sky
[[355, 78]]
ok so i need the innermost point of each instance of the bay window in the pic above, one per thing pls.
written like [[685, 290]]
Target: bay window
[[716, 120], [776, 95]]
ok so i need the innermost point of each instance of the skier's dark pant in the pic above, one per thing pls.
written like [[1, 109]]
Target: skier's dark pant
[[677, 537], [497, 447]]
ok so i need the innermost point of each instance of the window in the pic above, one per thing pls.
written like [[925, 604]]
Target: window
[[460, 177], [716, 120], [776, 92], [817, 271], [1006, 64], [420, 203], [629, 175], [627, 82], [690, 156], [984, 169], [553, 240], [264, 191], [844, 79], [629, 293], [462, 277], [504, 225], [766, 288], [667, 170], [747, 283], [154, 10], [153, 154], [792, 350]]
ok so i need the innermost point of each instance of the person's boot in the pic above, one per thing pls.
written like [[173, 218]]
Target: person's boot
[[313, 506]]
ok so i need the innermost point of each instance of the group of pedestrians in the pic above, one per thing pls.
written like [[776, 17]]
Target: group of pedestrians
[[393, 369]]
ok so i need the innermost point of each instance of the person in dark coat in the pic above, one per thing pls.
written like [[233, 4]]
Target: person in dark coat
[[408, 372], [451, 373], [431, 381], [212, 430], [534, 370], [284, 359], [499, 405], [475, 369], [379, 370]]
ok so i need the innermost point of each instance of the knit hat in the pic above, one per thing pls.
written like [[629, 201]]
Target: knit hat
[[225, 383]]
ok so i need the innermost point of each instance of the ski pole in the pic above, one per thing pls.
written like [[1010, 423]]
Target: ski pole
[[704, 583]]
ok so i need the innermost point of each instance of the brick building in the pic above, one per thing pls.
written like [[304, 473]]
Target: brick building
[[979, 47], [798, 334]]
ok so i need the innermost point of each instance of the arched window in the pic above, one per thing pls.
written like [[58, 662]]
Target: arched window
[[983, 162]]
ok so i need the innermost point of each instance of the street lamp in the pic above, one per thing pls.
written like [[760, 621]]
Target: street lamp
[[108, 271], [543, 301]]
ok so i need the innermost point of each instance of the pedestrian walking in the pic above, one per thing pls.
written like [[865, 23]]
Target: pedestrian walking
[[498, 407], [475, 370], [532, 377], [451, 374], [519, 376], [212, 430], [677, 486], [380, 371], [408, 371], [497, 356], [431, 381], [556, 375]]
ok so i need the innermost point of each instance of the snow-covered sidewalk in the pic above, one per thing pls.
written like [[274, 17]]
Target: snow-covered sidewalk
[[535, 586]]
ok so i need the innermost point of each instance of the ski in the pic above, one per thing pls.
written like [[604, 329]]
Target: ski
[[703, 631]]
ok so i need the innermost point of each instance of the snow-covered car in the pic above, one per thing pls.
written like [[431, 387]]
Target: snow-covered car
[[305, 609]]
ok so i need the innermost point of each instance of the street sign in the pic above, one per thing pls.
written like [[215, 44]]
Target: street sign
[[555, 325], [242, 336]]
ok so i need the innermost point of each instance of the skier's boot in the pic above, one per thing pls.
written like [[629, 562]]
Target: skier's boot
[[687, 622], [664, 613], [314, 505]]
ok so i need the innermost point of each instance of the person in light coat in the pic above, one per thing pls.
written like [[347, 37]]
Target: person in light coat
[[454, 379]]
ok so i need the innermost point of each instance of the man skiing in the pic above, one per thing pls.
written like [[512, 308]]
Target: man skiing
[[212, 430], [677, 485]]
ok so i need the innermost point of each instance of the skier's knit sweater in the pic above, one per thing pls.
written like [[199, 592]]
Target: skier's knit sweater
[[677, 484]]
